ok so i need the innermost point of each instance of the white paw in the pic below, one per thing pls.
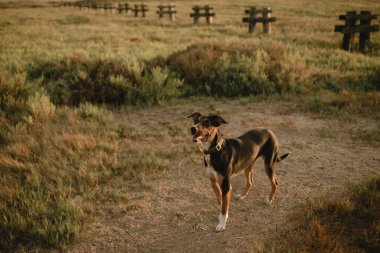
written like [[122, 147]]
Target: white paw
[[221, 226], [222, 222], [268, 202], [240, 197]]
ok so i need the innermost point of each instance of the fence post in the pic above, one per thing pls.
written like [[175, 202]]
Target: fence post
[[196, 14], [208, 16], [136, 10], [171, 12], [347, 37], [160, 11], [127, 9], [120, 8], [252, 15], [266, 16], [364, 37]]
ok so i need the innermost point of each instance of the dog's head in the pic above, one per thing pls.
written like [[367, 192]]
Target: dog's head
[[205, 126]]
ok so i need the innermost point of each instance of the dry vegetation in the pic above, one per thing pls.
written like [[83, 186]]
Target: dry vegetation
[[348, 223], [63, 71]]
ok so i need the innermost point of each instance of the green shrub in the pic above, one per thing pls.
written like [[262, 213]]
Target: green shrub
[[235, 75], [157, 86], [237, 70], [76, 81]]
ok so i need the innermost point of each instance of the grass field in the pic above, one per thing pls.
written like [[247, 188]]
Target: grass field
[[67, 76]]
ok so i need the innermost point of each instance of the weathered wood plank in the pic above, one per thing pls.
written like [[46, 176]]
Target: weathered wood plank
[[259, 20], [202, 14], [166, 12], [357, 29], [358, 17]]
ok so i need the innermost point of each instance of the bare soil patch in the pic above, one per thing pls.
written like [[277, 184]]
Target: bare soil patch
[[178, 211]]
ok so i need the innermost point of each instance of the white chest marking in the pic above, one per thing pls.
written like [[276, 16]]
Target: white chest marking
[[210, 171]]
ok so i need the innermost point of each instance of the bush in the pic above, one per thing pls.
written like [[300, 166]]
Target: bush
[[153, 88], [237, 70], [235, 75], [75, 81], [194, 63]]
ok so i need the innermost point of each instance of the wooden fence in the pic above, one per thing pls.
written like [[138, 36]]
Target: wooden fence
[[140, 8], [350, 28], [167, 10], [252, 19], [203, 11], [255, 15]]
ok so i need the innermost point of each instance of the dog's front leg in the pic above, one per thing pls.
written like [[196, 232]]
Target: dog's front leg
[[217, 190], [226, 197]]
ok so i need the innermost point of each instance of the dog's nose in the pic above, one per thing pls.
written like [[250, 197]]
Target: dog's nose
[[193, 130]]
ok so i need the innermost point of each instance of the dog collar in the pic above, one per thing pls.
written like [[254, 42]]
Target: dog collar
[[215, 149]]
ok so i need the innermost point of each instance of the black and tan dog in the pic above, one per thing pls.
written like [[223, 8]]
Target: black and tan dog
[[227, 157]]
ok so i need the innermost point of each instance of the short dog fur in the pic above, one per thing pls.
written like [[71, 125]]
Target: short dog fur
[[227, 157]]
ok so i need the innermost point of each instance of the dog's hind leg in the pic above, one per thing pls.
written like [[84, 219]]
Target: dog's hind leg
[[217, 190], [249, 177]]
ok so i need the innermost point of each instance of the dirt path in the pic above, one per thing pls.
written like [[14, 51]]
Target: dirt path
[[179, 213]]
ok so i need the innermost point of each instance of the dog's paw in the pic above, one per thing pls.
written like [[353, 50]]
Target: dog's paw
[[240, 197], [222, 223], [268, 201], [220, 227]]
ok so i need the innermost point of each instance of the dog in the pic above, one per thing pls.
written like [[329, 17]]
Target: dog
[[224, 158]]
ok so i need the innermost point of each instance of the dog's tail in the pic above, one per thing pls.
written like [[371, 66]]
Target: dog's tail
[[279, 159]]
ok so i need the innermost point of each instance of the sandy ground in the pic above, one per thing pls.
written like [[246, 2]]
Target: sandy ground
[[179, 213]]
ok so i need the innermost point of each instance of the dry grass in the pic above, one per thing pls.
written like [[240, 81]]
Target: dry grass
[[303, 60], [348, 223], [50, 154], [46, 164]]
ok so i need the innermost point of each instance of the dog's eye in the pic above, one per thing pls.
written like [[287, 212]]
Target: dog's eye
[[206, 123]]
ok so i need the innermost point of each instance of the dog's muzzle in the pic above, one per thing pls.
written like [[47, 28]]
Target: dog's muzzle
[[193, 130]]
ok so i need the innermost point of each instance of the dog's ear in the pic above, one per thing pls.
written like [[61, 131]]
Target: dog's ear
[[195, 116], [216, 120]]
